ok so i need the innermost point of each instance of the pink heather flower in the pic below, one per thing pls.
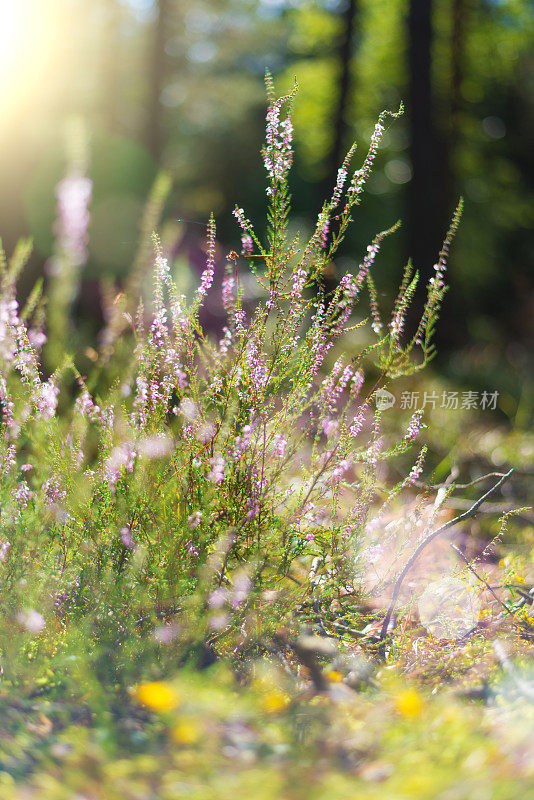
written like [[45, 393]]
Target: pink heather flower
[[340, 182], [120, 460], [330, 426], [36, 338], [194, 519], [73, 196], [218, 622], [310, 537], [350, 286], [246, 245], [228, 286], [239, 321], [374, 451], [414, 427], [166, 633], [26, 467], [357, 423], [216, 473], [226, 341], [32, 620], [161, 266], [299, 281], [206, 432], [333, 386], [9, 324], [417, 468], [323, 224], [85, 406], [206, 278], [218, 598], [46, 401], [240, 590], [188, 409], [360, 176], [415, 473], [244, 223], [217, 384], [242, 442], [356, 384], [127, 538], [277, 153], [6, 404], [257, 370], [4, 548], [338, 472], [53, 493], [373, 553], [279, 445], [396, 326], [155, 446], [23, 494], [10, 459]]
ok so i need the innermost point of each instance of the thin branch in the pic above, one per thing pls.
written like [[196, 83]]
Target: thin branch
[[411, 561], [481, 579]]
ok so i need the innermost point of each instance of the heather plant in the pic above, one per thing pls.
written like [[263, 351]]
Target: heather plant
[[217, 486]]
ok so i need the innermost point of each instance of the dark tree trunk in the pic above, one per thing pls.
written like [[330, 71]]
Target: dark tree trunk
[[157, 72], [460, 12], [327, 282], [427, 201], [341, 125]]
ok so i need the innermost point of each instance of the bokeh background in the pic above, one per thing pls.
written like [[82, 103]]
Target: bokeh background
[[134, 87]]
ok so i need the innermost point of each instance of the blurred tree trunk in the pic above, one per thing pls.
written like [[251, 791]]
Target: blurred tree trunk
[[460, 12], [427, 201], [157, 72], [344, 53], [341, 126]]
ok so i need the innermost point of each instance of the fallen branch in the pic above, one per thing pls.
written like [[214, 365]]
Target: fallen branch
[[417, 552]]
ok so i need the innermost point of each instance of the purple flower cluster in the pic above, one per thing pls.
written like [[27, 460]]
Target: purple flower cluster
[[278, 153], [333, 386], [246, 245], [360, 176], [73, 197], [234, 597], [54, 493], [9, 324], [417, 469], [206, 278], [244, 223], [257, 371], [243, 441], [46, 400], [216, 473], [414, 427], [120, 460]]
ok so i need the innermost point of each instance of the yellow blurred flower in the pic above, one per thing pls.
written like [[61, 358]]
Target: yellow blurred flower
[[334, 676], [157, 696], [409, 703], [188, 731], [274, 701]]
